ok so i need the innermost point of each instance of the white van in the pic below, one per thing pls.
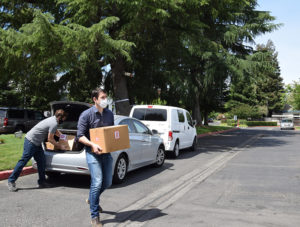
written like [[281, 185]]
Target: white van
[[173, 124]]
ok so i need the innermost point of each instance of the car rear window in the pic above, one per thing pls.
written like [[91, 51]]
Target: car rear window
[[147, 114], [287, 121], [2, 113], [16, 113]]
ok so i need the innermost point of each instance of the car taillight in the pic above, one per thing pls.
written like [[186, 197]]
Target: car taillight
[[170, 135], [5, 121]]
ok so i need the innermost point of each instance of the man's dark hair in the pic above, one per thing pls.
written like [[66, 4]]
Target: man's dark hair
[[60, 113], [97, 91]]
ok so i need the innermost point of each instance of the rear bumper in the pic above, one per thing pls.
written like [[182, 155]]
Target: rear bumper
[[7, 129], [68, 162]]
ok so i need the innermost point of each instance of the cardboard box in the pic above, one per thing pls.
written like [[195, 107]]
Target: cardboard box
[[66, 140], [111, 138]]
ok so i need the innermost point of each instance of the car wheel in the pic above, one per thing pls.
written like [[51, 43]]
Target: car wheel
[[53, 175], [160, 157], [176, 150], [194, 146], [120, 169]]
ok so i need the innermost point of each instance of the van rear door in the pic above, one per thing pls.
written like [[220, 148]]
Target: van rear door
[[153, 118]]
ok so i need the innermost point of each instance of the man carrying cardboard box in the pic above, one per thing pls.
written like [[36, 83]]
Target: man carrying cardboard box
[[100, 164], [33, 148]]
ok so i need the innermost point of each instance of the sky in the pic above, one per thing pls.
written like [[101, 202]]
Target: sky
[[287, 38]]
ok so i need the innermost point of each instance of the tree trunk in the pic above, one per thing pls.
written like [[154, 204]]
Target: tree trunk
[[196, 111], [120, 87], [205, 119]]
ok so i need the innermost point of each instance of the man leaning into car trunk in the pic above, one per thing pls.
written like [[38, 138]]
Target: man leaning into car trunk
[[100, 164], [46, 128]]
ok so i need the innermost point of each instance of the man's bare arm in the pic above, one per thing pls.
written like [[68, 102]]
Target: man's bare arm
[[53, 141]]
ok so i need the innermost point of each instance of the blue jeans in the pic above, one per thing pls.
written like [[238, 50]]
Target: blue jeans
[[30, 150], [100, 167]]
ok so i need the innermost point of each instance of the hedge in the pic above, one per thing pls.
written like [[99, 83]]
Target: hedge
[[261, 123], [233, 123]]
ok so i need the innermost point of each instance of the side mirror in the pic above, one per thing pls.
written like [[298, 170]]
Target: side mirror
[[47, 114], [154, 131]]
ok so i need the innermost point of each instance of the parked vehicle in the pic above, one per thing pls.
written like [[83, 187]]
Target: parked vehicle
[[145, 147], [16, 119], [287, 123], [174, 125]]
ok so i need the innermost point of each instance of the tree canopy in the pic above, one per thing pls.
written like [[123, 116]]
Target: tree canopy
[[198, 54]]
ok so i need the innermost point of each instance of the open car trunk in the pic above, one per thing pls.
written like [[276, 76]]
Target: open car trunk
[[69, 127]]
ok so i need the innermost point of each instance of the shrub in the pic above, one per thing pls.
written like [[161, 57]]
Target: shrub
[[261, 123]]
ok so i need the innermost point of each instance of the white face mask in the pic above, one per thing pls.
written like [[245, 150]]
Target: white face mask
[[103, 103]]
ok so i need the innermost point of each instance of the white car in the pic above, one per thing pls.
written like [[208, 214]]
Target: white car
[[174, 125], [146, 147], [287, 123]]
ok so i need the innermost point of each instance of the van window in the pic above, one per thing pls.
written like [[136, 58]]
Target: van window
[[287, 121], [16, 113], [180, 116], [2, 113], [145, 114], [189, 119]]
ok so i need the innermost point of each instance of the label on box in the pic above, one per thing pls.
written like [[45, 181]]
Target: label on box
[[63, 137], [117, 135]]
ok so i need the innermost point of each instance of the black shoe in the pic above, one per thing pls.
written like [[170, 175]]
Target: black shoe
[[12, 186], [45, 185]]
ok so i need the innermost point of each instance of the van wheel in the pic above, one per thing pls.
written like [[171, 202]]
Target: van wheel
[[176, 150], [194, 146], [120, 169], [160, 157]]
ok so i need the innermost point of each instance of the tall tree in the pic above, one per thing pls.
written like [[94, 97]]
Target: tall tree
[[269, 82]]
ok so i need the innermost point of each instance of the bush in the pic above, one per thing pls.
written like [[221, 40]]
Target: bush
[[261, 123], [231, 122]]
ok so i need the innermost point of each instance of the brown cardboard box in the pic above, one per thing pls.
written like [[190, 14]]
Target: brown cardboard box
[[111, 138], [66, 140]]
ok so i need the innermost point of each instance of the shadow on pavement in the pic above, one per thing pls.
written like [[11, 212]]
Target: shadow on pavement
[[134, 215], [83, 181]]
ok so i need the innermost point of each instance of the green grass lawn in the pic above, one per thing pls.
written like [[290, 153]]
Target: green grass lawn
[[297, 127], [10, 151], [206, 129]]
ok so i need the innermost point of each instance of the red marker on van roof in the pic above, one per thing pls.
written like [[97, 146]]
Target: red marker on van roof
[[150, 106]]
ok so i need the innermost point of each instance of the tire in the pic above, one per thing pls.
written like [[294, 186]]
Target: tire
[[120, 169], [53, 175], [175, 152], [194, 146], [160, 157]]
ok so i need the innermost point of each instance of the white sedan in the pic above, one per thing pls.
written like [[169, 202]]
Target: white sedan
[[146, 147]]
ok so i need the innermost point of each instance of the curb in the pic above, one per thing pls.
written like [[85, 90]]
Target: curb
[[26, 170], [217, 132]]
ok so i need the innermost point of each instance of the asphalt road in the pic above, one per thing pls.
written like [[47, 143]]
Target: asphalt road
[[249, 177]]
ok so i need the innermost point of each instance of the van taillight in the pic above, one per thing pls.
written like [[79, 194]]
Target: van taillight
[[5, 121], [170, 135]]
